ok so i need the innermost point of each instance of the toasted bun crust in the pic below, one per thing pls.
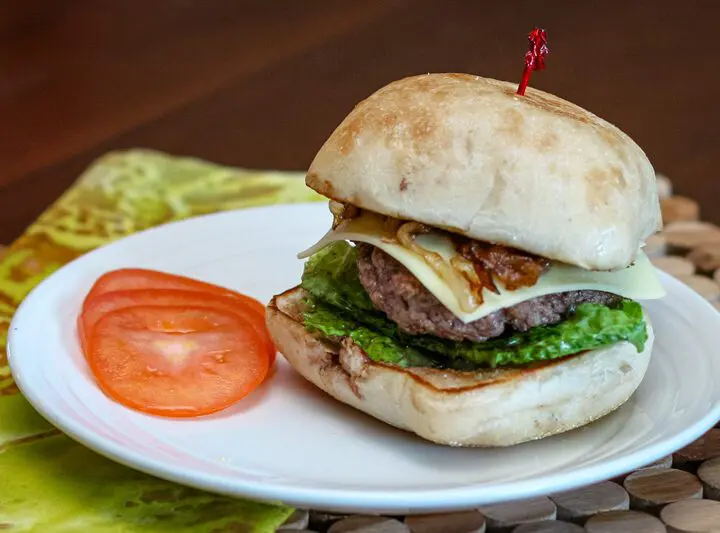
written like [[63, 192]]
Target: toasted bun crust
[[466, 153], [485, 409]]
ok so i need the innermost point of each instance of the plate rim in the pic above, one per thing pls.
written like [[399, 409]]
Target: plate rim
[[404, 501]]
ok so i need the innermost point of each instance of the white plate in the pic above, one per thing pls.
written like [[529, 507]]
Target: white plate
[[291, 443]]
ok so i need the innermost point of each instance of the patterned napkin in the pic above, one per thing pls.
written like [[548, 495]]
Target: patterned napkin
[[48, 482]]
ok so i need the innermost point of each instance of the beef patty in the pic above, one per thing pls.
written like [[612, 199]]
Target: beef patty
[[396, 292]]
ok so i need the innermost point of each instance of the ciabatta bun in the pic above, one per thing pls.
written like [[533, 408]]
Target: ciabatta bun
[[488, 408], [467, 154]]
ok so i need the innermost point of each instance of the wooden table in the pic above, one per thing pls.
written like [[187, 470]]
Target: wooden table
[[262, 83]]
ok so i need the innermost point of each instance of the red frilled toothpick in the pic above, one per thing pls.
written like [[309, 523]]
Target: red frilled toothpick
[[535, 56]]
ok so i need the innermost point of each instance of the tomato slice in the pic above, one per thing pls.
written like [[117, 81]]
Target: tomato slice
[[176, 361], [105, 303], [125, 279], [82, 335]]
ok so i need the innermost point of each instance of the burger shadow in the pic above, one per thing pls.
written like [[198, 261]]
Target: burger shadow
[[552, 455], [574, 449]]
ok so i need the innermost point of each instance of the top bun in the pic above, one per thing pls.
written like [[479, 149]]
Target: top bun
[[468, 154]]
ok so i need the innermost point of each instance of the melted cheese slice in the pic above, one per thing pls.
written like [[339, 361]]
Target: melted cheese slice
[[637, 282]]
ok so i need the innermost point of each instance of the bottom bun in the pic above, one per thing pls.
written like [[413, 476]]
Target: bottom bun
[[493, 407]]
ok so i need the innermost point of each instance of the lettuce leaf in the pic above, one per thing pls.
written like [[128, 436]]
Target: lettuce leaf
[[591, 326], [331, 275], [334, 324], [340, 307]]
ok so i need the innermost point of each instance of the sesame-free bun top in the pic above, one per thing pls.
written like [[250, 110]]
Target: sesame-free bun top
[[468, 154]]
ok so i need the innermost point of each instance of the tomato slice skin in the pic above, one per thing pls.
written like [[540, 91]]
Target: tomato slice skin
[[176, 361], [108, 302], [124, 279], [82, 334]]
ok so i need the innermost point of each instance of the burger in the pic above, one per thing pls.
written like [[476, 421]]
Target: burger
[[480, 280]]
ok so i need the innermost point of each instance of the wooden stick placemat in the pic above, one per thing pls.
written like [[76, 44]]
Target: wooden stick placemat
[[678, 494]]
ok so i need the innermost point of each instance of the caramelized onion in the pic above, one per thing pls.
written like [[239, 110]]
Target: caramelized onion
[[477, 280], [391, 225], [468, 301], [478, 265], [341, 212], [406, 235], [514, 268]]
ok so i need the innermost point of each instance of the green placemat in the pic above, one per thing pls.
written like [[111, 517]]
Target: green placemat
[[48, 482]]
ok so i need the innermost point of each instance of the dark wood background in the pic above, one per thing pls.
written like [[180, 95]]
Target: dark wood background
[[262, 83]]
